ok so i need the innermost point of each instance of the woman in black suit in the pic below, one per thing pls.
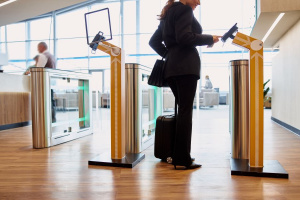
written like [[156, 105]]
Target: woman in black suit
[[177, 36]]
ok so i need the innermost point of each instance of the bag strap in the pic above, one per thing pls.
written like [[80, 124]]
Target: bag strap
[[175, 108], [166, 52]]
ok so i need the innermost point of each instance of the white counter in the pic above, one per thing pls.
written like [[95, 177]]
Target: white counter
[[14, 83]]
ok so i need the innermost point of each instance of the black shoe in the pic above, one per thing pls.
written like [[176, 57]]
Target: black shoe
[[193, 159], [192, 166]]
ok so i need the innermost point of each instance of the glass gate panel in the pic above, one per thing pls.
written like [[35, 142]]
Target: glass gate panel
[[69, 110]]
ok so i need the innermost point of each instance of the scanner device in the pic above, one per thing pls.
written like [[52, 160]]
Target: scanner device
[[98, 38], [230, 33]]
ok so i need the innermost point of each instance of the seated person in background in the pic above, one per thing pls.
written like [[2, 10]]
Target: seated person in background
[[208, 84], [36, 58]]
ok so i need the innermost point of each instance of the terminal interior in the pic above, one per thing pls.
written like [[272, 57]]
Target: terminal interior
[[76, 102]]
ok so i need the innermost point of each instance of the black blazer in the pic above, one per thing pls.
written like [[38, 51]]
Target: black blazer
[[177, 36]]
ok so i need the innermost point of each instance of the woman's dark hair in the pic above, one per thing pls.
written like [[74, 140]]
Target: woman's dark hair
[[165, 9]]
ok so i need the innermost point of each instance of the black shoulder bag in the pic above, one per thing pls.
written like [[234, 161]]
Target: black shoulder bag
[[157, 75]]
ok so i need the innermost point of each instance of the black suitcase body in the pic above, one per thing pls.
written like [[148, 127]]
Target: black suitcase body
[[164, 136]]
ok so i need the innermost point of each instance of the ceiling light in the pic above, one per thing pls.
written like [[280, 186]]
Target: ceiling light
[[273, 26], [6, 2]]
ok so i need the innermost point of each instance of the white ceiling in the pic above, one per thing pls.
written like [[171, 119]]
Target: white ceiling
[[268, 11], [265, 21], [24, 9]]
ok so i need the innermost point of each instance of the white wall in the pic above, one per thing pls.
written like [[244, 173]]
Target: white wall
[[286, 79]]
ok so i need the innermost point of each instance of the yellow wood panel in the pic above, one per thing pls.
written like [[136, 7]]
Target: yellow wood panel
[[14, 107], [117, 100], [256, 97], [256, 109]]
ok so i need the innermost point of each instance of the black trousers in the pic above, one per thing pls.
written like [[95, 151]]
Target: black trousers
[[184, 89]]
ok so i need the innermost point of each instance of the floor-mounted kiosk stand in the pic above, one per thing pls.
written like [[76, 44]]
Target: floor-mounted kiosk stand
[[117, 157], [252, 162]]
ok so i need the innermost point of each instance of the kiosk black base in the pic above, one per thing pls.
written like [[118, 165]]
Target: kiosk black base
[[272, 169], [129, 161]]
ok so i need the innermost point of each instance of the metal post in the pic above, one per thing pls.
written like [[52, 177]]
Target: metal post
[[40, 105], [133, 110], [239, 122], [140, 95]]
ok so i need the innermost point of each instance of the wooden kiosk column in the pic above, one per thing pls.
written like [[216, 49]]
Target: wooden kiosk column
[[256, 124], [117, 157], [255, 165]]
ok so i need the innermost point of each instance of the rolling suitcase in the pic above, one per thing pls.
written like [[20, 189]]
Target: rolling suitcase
[[165, 135]]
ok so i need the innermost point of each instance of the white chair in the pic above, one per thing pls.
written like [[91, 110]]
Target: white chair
[[205, 90], [209, 99]]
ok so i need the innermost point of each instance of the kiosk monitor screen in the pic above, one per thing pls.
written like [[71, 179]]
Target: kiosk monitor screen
[[98, 22]]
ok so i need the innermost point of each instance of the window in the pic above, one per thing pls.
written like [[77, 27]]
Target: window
[[2, 48], [130, 44], [67, 48], [96, 81], [16, 32], [72, 64], [226, 14], [73, 53], [114, 10], [149, 11], [71, 24], [130, 17], [41, 29], [216, 66], [215, 61], [100, 62], [2, 34], [16, 51], [106, 81]]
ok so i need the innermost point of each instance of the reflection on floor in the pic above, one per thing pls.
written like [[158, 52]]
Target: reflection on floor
[[62, 172]]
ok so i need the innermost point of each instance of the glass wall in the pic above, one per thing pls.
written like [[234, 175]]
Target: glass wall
[[217, 17], [133, 23]]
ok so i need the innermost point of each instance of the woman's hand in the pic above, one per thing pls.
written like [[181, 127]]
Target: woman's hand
[[216, 38]]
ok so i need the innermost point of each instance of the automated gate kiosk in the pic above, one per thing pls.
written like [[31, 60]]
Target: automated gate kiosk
[[255, 165], [117, 157]]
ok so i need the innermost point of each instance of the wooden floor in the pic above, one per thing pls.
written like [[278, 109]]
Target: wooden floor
[[62, 172]]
